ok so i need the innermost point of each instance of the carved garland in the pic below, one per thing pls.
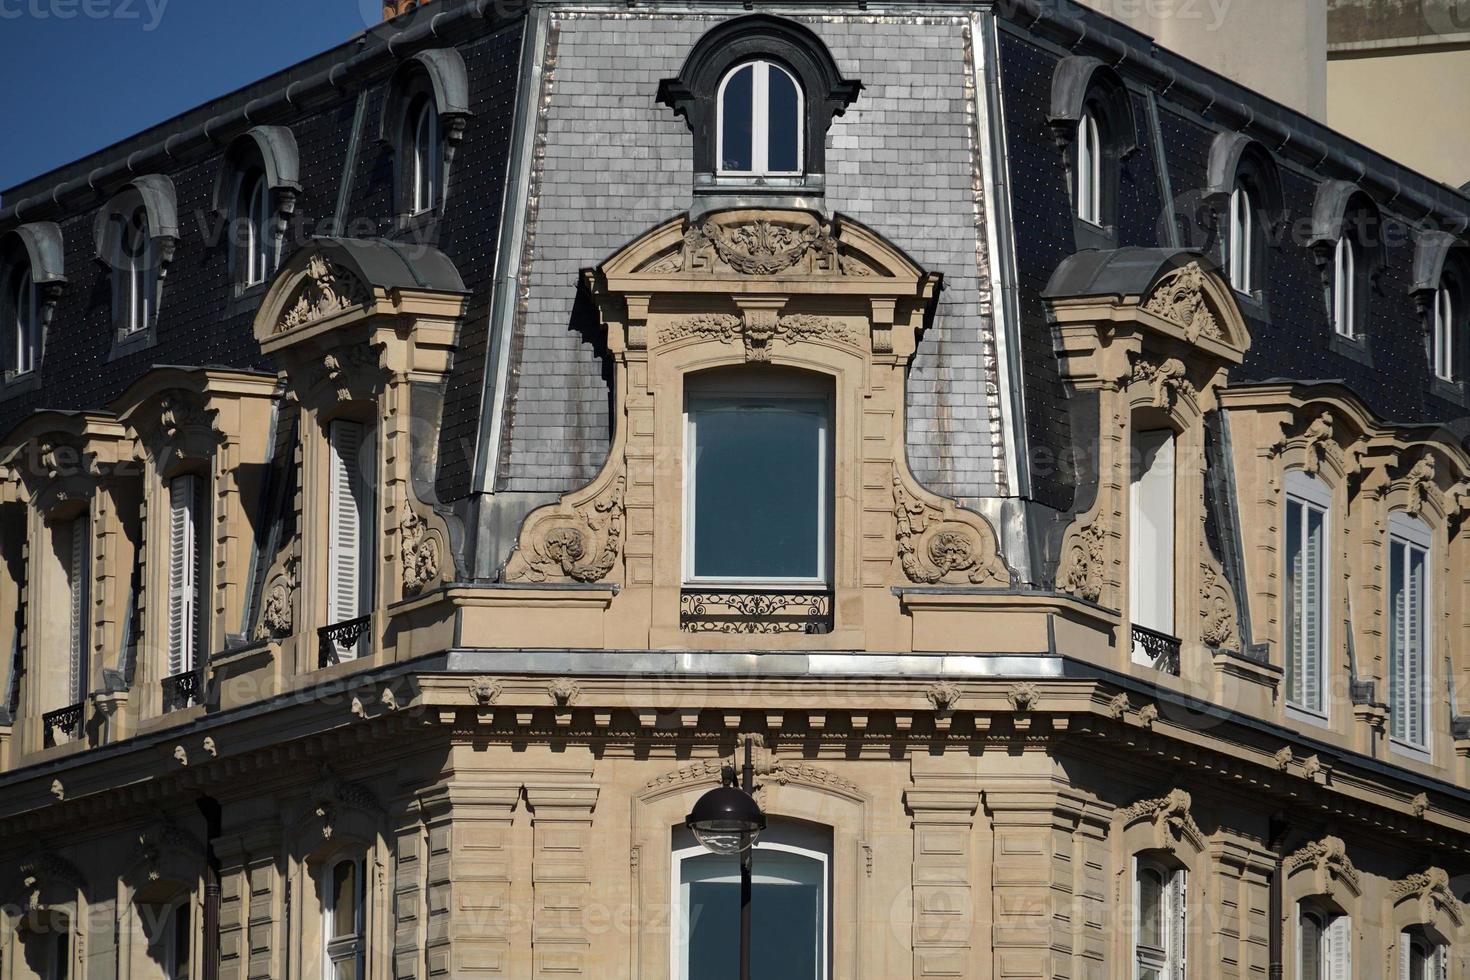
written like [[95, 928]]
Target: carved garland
[[1168, 380], [1179, 298], [582, 544], [931, 547], [1328, 857], [758, 328], [327, 288], [1217, 608], [760, 248]]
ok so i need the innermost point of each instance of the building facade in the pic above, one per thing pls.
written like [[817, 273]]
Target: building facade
[[425, 470]]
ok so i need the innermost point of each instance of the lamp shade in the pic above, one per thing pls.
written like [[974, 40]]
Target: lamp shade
[[726, 820]]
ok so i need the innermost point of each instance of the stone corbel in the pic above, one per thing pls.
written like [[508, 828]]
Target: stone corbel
[[577, 539], [939, 542]]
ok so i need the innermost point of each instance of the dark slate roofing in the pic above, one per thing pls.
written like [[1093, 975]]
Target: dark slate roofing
[[394, 265], [1117, 272]]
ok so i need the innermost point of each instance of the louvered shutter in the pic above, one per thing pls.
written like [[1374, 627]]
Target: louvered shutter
[[1441, 963], [1312, 609], [1180, 925], [77, 584], [1414, 647], [182, 568], [1406, 946], [1340, 948], [202, 553], [1398, 638], [349, 565]]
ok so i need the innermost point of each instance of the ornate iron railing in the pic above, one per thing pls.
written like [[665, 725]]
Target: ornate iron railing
[[1161, 648], [339, 638], [64, 721], [755, 611], [182, 690]]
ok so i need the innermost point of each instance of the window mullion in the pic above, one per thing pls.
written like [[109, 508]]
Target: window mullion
[[760, 118]]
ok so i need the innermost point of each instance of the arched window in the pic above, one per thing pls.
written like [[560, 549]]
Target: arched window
[[25, 310], [1420, 957], [1324, 944], [1089, 169], [425, 160], [1305, 624], [137, 280], [1159, 915], [760, 120], [256, 239], [1442, 332], [1345, 262], [791, 870], [1242, 239], [344, 924]]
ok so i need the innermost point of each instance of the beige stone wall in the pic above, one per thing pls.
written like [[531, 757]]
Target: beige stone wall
[[1278, 49], [1407, 103]]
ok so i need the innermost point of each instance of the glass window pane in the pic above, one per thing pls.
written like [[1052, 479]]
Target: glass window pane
[[736, 113], [344, 900], [783, 141], [1311, 944], [1150, 908], [788, 922], [758, 470]]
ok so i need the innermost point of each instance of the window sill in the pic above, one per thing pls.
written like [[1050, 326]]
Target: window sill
[[1450, 391], [713, 192], [1308, 716], [19, 384], [1086, 235], [126, 345], [420, 227], [1354, 348], [1410, 751]]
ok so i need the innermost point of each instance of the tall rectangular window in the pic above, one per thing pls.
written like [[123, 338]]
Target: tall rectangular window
[[344, 923], [78, 565], [1420, 958], [1151, 535], [1324, 944], [1408, 630], [758, 476], [1159, 922], [1304, 595], [188, 538], [351, 527]]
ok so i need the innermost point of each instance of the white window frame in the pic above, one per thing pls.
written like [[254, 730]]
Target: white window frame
[[760, 122], [1334, 947], [136, 251], [27, 326], [1170, 962], [1442, 333], [425, 158], [337, 949], [716, 395], [259, 246], [1089, 177], [1161, 477], [1308, 492], [1414, 534], [1345, 261], [1241, 245], [679, 931]]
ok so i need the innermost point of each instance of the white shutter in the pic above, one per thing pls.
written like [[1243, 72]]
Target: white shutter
[[1441, 963], [77, 584], [182, 565], [1151, 516], [1414, 647], [1179, 925], [350, 526], [1340, 948], [1312, 608], [1398, 637], [1405, 951]]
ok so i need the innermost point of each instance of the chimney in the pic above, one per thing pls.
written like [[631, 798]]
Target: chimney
[[394, 8]]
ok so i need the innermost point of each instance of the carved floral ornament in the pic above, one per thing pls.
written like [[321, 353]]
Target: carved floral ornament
[[1179, 297], [943, 543], [1171, 818], [1431, 888], [326, 289], [758, 328], [1217, 608], [797, 243], [1328, 860], [276, 618], [579, 540], [420, 549]]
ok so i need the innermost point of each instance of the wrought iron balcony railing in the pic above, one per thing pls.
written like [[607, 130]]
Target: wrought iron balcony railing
[[339, 639], [1161, 648], [65, 722], [182, 690], [755, 611]]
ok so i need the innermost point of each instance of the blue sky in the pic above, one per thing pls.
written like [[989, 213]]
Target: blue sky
[[79, 75]]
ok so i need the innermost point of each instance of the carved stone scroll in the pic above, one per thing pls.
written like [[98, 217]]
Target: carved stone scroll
[[1082, 571], [276, 617], [938, 543], [579, 541], [1217, 608], [420, 550]]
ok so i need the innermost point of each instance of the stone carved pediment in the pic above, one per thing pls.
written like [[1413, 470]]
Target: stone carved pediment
[[740, 243], [1431, 888], [327, 289], [1172, 821], [1328, 860], [1180, 297]]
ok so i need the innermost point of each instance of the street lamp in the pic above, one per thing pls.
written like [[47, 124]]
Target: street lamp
[[727, 820]]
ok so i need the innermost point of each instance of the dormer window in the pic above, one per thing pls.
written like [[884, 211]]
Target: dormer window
[[760, 121], [25, 323], [256, 241], [351, 528], [1242, 240], [188, 568], [137, 296], [1345, 262], [1089, 170], [425, 156], [1442, 335]]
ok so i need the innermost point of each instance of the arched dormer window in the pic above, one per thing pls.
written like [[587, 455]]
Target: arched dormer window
[[1347, 242], [424, 120], [1244, 189], [1091, 117], [760, 121], [136, 233], [31, 279], [759, 94], [255, 193], [1441, 288]]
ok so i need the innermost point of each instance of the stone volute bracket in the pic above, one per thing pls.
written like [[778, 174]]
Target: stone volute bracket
[[753, 290]]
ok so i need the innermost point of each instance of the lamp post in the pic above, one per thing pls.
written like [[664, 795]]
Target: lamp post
[[727, 820]]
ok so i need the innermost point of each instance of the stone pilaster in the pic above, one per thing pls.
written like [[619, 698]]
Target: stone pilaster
[[943, 805], [561, 818], [249, 912], [464, 856], [1239, 906]]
